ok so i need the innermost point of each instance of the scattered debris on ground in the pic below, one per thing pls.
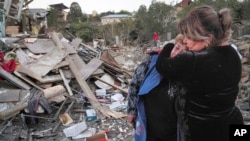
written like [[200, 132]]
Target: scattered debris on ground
[[54, 88]]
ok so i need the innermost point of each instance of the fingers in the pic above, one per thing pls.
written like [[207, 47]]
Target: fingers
[[130, 118], [153, 51]]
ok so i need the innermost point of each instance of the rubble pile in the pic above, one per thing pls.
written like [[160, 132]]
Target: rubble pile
[[243, 45], [55, 89]]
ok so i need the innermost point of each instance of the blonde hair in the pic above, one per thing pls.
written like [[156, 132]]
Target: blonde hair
[[204, 21], [179, 39]]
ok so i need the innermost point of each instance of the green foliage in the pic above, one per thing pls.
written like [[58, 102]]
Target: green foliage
[[142, 21], [94, 19], [82, 30], [121, 29], [159, 17], [124, 12], [53, 18], [80, 25], [246, 9], [75, 14], [234, 5]]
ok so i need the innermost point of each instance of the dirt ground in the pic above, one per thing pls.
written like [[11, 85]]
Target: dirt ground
[[45, 128]]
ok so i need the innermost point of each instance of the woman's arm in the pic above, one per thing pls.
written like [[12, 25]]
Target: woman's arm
[[179, 67]]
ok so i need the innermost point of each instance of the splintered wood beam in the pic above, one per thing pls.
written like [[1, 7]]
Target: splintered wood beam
[[102, 111]]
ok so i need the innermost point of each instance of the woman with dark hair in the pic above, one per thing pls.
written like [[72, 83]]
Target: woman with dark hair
[[210, 72]]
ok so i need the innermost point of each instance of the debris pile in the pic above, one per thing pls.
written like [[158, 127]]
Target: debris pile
[[55, 88], [243, 45]]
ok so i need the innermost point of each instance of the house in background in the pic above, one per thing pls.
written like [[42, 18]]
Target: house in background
[[37, 20], [183, 3], [115, 18]]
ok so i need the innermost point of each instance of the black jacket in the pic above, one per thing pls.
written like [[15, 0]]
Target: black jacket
[[211, 77]]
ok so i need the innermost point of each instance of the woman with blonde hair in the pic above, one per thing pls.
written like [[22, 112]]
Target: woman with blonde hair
[[210, 71]]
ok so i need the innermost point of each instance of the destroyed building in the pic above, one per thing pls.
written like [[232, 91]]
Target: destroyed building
[[51, 86]]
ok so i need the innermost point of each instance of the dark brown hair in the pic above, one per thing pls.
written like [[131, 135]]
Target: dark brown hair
[[204, 21]]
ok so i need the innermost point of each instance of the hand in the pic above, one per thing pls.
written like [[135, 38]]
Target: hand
[[131, 119], [178, 48], [153, 51]]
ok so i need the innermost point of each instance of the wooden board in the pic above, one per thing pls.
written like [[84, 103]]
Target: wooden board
[[91, 67], [9, 95], [41, 46]]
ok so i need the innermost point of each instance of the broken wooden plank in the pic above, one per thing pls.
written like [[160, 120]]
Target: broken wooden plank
[[47, 62], [111, 62], [66, 83], [13, 79], [107, 58], [69, 48], [61, 64], [22, 69], [90, 68], [50, 79], [26, 79], [40, 46], [80, 64], [9, 95], [101, 110]]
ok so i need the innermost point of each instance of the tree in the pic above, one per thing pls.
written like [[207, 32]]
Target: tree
[[234, 5], [75, 14], [124, 12], [157, 18], [83, 30], [246, 10], [141, 24], [55, 20], [52, 18]]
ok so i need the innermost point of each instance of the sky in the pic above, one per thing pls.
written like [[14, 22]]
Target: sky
[[88, 6]]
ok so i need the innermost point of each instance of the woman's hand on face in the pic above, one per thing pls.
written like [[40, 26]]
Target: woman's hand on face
[[178, 48], [194, 45]]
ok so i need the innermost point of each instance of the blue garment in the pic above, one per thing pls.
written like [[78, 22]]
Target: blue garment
[[152, 77], [151, 80], [140, 130]]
